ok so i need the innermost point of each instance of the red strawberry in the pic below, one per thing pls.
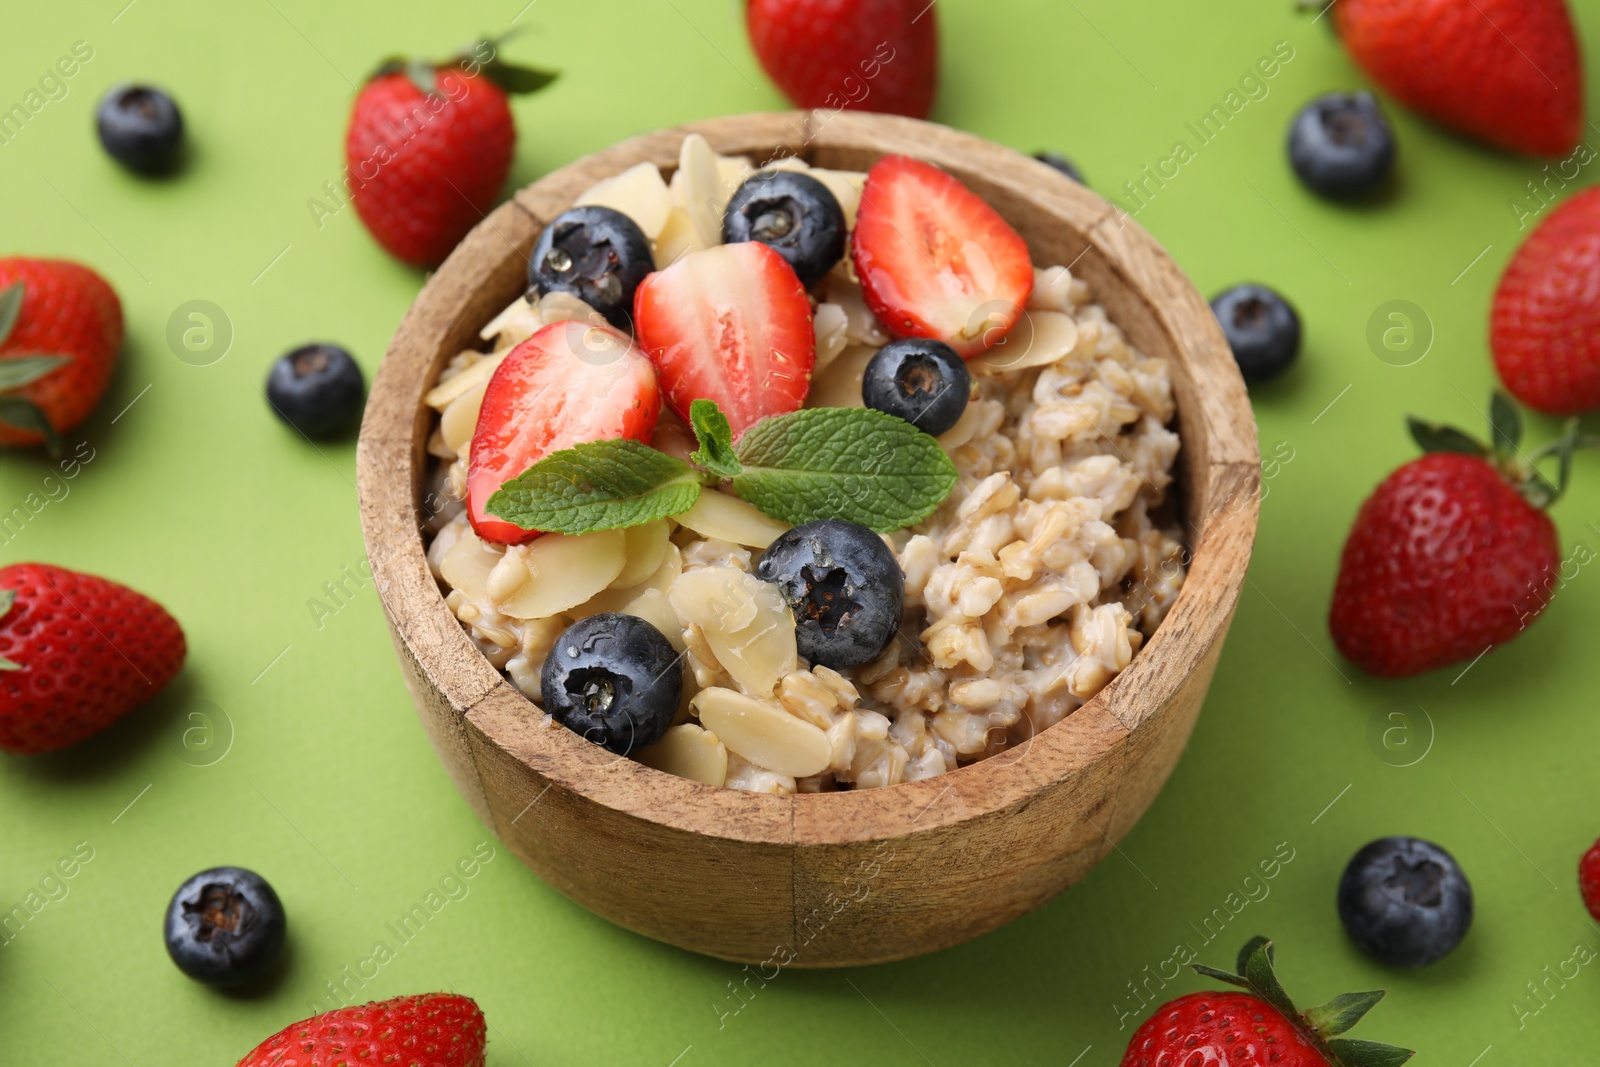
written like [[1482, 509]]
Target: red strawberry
[[730, 324], [569, 383], [1545, 327], [1589, 879], [1505, 71], [1451, 555], [868, 55], [935, 260], [79, 653], [429, 148], [427, 1030], [60, 332], [1258, 1027]]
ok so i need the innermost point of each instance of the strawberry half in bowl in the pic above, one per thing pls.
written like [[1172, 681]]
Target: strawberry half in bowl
[[808, 538]]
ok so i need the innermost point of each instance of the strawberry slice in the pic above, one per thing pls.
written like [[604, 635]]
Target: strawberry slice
[[569, 383], [730, 324], [935, 260]]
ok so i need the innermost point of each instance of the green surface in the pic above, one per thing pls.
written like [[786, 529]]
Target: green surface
[[197, 496]]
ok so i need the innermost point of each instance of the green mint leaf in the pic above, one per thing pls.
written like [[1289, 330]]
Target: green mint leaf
[[24, 414], [1342, 1012], [24, 370], [715, 438], [599, 485], [843, 463], [517, 80], [1505, 422], [1353, 1052], [1436, 438], [10, 308]]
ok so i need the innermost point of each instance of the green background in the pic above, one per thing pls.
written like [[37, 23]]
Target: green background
[[317, 774]]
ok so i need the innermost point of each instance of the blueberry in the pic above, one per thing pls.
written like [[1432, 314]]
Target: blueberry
[[597, 254], [1341, 145], [920, 380], [1262, 329], [844, 587], [793, 214], [1061, 163], [225, 927], [141, 128], [317, 389], [1405, 901], [614, 679]]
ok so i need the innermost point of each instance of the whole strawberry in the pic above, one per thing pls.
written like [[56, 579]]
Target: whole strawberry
[[867, 55], [1589, 879], [1545, 326], [60, 332], [428, 1030], [77, 653], [1452, 554], [1258, 1027], [429, 148], [1505, 71]]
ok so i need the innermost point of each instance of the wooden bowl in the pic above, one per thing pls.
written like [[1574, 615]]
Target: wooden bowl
[[833, 879]]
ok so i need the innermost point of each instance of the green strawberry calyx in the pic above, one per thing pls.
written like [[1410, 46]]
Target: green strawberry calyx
[[1322, 1025], [1505, 453], [8, 597], [22, 369], [480, 57]]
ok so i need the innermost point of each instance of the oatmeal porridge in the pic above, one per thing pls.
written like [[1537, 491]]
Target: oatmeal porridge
[[1026, 590]]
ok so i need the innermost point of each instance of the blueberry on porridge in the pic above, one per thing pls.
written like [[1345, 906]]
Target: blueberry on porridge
[[595, 254], [877, 514], [793, 214], [920, 380]]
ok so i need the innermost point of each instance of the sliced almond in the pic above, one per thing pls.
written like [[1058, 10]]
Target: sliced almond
[[441, 396], [646, 547], [520, 321], [786, 163], [467, 565], [556, 306], [617, 598], [564, 571], [719, 515], [733, 171], [460, 419], [654, 608], [689, 752], [746, 623], [1039, 338], [701, 188], [845, 185], [764, 733], [638, 193], [838, 385], [677, 239], [830, 324]]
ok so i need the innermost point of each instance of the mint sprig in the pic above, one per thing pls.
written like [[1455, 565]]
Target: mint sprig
[[843, 463], [715, 437], [599, 485], [823, 463]]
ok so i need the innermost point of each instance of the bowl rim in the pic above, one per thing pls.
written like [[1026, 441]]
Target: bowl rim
[[1218, 464]]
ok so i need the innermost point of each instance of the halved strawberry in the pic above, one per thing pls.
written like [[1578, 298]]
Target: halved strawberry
[[935, 260], [569, 383], [730, 324]]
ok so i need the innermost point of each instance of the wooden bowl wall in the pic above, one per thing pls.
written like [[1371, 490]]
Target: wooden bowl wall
[[844, 878]]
